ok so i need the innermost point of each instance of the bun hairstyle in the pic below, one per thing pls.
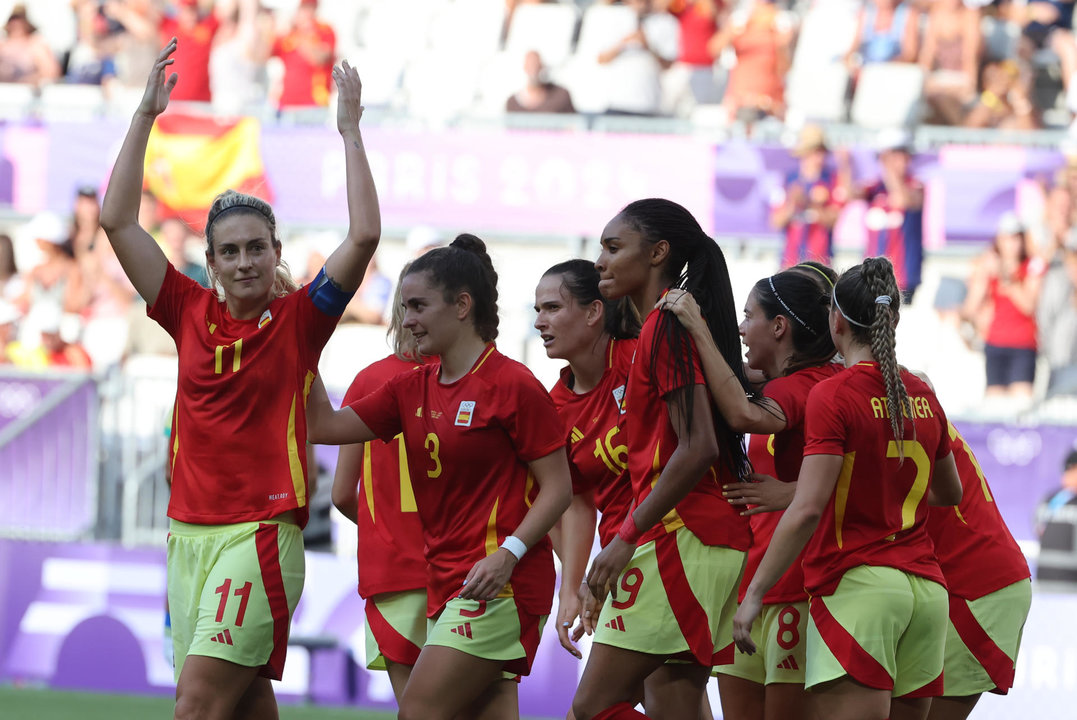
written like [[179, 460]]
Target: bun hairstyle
[[805, 301], [465, 266], [697, 264], [867, 296], [579, 278], [236, 203]]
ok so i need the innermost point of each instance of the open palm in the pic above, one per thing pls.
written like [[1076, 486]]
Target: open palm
[[349, 97], [159, 89]]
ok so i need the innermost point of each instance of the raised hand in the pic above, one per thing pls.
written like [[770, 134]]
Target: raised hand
[[349, 97], [159, 89], [684, 306]]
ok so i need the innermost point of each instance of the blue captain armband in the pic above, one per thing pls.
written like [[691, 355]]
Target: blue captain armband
[[327, 296]]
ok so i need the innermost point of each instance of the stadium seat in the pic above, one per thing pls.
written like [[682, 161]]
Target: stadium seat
[[499, 78], [468, 28], [818, 95], [601, 27], [817, 82], [55, 20], [79, 103], [1000, 37], [547, 28], [439, 85], [16, 101], [397, 29], [888, 95]]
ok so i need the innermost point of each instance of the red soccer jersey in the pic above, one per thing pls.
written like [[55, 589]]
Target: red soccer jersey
[[779, 456], [304, 83], [972, 536], [239, 428], [652, 440], [192, 61], [877, 514], [597, 454], [390, 534], [468, 445]]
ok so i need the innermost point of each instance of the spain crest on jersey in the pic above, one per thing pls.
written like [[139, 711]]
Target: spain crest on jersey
[[267, 317], [463, 415], [619, 398]]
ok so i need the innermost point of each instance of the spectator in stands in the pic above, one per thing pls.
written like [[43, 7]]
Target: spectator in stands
[[762, 39], [307, 51], [135, 24], [1056, 525], [1051, 233], [895, 216], [9, 315], [1004, 102], [175, 239], [194, 30], [691, 80], [634, 65], [1004, 288], [1056, 317], [237, 63], [371, 301], [538, 94], [11, 283], [950, 58], [55, 285], [886, 31], [55, 351], [90, 61], [809, 205], [25, 57], [1048, 25]]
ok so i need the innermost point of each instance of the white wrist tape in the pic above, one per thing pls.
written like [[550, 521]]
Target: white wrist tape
[[515, 546]]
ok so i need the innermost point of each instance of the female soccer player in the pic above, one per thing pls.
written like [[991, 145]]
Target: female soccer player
[[878, 605], [987, 609], [787, 335], [247, 355], [598, 339], [487, 461], [677, 559], [372, 488]]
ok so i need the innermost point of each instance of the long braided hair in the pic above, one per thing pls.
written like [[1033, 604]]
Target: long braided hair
[[867, 296], [696, 264]]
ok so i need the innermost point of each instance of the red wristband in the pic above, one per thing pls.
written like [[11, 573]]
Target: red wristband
[[629, 532]]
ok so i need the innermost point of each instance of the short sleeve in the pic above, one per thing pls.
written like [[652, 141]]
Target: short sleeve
[[945, 443], [380, 410], [788, 392], [533, 425], [824, 431], [177, 290]]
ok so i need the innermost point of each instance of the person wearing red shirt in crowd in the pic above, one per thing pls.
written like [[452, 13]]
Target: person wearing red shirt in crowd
[[692, 75], [194, 31], [675, 563], [598, 339], [786, 332], [895, 216], [878, 599], [307, 52], [486, 455], [372, 488], [248, 352], [987, 609], [808, 206]]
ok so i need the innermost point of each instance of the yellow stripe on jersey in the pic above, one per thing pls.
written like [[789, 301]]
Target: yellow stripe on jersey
[[368, 480], [407, 494], [175, 435], [672, 520], [841, 493], [295, 465], [483, 359], [609, 355], [528, 487], [492, 546]]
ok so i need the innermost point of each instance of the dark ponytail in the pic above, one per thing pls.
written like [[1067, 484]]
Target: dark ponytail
[[805, 301], [697, 264], [579, 278], [465, 266], [868, 297]]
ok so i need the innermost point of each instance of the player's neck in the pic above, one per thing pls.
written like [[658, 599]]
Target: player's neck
[[589, 365], [857, 354], [457, 361]]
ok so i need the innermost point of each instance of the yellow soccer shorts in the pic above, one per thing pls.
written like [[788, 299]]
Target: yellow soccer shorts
[[395, 628], [232, 590], [982, 640], [781, 640], [883, 628], [492, 629], [676, 598]]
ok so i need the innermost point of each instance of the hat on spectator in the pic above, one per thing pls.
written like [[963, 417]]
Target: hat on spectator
[[49, 227], [8, 313], [423, 238], [1010, 224], [1071, 459], [811, 138], [894, 138]]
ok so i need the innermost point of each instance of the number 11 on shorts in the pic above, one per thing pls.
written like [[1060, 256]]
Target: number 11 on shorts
[[243, 593]]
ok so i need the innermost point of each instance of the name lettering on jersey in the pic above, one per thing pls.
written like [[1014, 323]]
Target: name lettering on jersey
[[619, 398], [267, 317], [576, 434], [278, 496], [464, 413], [212, 326], [919, 407]]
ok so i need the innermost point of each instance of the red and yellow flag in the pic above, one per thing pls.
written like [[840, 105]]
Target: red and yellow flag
[[190, 159]]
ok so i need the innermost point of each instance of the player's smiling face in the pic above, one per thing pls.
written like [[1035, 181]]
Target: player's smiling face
[[756, 332], [623, 266], [432, 321], [565, 326], [245, 261]]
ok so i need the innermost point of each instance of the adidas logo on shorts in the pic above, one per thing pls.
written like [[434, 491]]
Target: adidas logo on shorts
[[616, 623], [225, 638], [790, 663], [463, 630]]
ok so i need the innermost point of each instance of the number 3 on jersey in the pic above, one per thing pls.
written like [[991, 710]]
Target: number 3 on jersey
[[433, 446]]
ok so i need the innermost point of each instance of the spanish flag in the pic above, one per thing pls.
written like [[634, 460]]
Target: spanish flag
[[190, 159]]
